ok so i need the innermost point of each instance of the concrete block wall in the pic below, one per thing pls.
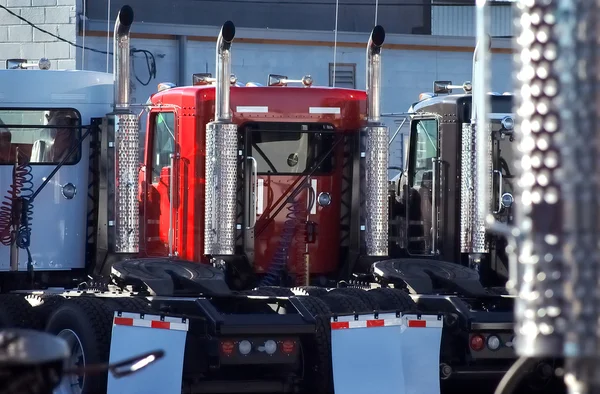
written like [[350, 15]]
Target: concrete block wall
[[20, 40]]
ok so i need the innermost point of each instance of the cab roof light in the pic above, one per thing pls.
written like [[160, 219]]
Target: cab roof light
[[282, 80], [445, 87], [200, 79], [165, 86], [425, 96], [12, 64]]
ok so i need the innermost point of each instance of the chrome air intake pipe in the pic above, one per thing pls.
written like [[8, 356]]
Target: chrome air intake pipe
[[376, 153], [123, 131], [476, 160], [221, 158]]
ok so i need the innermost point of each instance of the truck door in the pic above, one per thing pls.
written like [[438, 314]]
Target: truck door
[[423, 187], [160, 183], [293, 215]]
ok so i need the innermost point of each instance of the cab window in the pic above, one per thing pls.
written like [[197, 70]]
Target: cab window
[[163, 142], [425, 148], [39, 136]]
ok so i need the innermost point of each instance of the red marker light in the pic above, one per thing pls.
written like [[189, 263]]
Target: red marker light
[[477, 342], [288, 346], [227, 347]]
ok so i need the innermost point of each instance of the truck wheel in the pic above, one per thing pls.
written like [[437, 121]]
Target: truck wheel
[[85, 323], [339, 303], [369, 300], [15, 312], [319, 378], [393, 299], [309, 290]]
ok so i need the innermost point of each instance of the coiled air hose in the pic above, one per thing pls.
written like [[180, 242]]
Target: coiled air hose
[[21, 189], [297, 212]]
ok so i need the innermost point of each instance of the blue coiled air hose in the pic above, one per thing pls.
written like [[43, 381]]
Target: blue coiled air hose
[[296, 215]]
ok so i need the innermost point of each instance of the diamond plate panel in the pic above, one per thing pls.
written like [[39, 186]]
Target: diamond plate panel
[[540, 320], [221, 189], [126, 132], [376, 181]]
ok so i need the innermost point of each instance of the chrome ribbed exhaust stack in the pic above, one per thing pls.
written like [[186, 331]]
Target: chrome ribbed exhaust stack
[[558, 218], [376, 153], [123, 130], [221, 158]]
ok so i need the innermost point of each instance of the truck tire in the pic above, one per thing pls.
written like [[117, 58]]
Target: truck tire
[[393, 299], [86, 324], [369, 300], [319, 376], [132, 304], [15, 312], [277, 291], [44, 305], [339, 303]]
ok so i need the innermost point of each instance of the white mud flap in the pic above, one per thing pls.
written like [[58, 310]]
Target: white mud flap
[[134, 334], [386, 353]]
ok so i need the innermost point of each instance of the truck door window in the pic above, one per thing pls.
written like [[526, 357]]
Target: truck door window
[[41, 136], [163, 142], [424, 148]]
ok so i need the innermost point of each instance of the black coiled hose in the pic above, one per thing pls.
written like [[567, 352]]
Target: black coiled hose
[[296, 215]]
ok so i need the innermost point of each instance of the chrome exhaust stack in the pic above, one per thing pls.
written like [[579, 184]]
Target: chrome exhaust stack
[[121, 142], [476, 160], [121, 57], [376, 153], [221, 158]]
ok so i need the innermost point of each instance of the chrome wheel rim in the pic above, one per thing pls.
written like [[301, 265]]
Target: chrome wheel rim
[[72, 384]]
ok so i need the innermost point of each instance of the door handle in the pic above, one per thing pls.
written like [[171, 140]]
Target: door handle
[[253, 211]]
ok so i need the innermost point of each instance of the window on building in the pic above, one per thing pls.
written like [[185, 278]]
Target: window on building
[[163, 142], [345, 75]]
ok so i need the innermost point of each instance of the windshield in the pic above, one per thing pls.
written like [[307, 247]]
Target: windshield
[[40, 136]]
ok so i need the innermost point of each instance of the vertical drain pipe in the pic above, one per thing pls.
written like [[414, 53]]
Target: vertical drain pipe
[[221, 158], [124, 132], [376, 153]]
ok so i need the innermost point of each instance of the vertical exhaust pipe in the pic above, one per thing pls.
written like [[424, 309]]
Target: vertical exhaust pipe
[[221, 158], [375, 181], [374, 74], [223, 62], [122, 149], [121, 60], [476, 160]]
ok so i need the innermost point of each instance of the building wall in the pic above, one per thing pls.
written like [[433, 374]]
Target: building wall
[[20, 40], [459, 21], [406, 73]]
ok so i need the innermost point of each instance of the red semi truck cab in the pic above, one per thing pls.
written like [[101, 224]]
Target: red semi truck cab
[[294, 175]]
